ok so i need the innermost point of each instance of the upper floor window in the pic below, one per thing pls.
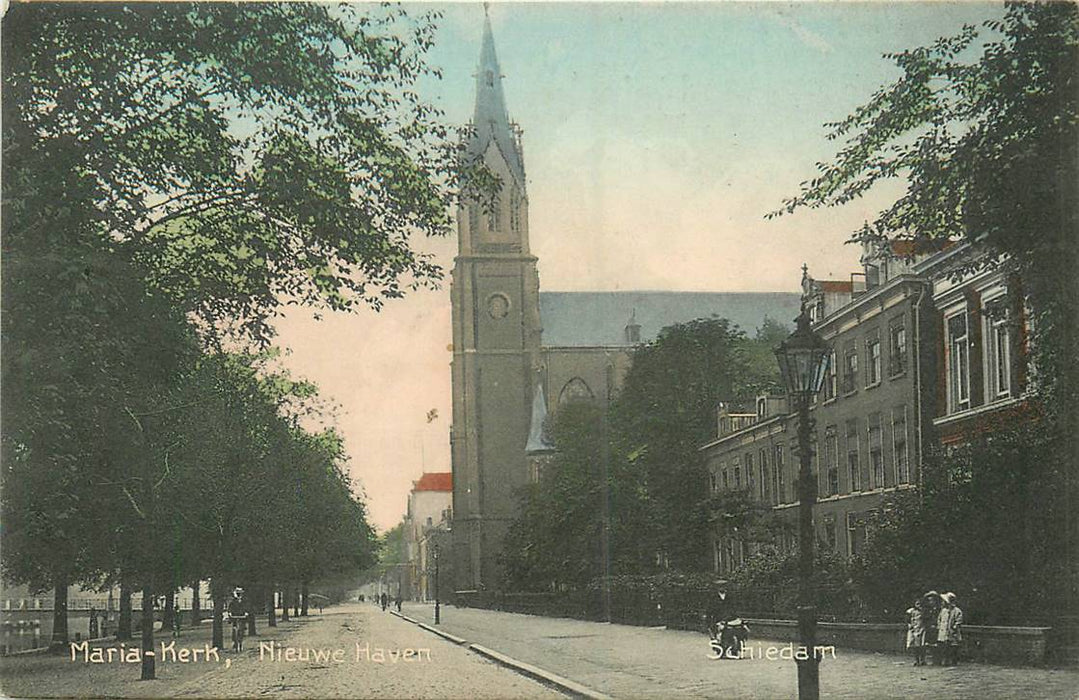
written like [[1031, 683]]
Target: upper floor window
[[958, 362], [854, 466], [899, 445], [997, 335], [764, 483], [778, 486], [762, 407], [897, 348], [850, 370], [876, 453], [831, 377], [872, 360], [831, 462], [749, 470]]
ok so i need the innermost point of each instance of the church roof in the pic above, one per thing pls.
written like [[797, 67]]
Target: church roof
[[581, 319], [434, 481], [490, 120]]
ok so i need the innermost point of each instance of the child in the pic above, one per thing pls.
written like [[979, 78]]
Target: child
[[916, 632]]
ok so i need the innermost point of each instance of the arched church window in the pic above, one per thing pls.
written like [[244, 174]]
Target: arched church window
[[473, 218], [515, 209], [494, 219], [575, 390]]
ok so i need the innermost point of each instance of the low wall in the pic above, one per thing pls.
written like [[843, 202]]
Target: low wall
[[1006, 645]]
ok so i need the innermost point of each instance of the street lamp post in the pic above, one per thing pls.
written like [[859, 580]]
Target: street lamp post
[[437, 605], [803, 361]]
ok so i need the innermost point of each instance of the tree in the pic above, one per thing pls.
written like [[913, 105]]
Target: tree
[[666, 411], [983, 127], [556, 540], [177, 168], [241, 155]]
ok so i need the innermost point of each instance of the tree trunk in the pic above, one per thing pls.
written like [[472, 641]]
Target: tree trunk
[[59, 613], [218, 633], [123, 625], [168, 615], [148, 658], [196, 604], [295, 602], [284, 604], [271, 608], [303, 600]]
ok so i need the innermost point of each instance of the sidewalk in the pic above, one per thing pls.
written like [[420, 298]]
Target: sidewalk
[[635, 662], [352, 651]]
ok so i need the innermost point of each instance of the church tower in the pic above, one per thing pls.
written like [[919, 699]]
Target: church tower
[[496, 338]]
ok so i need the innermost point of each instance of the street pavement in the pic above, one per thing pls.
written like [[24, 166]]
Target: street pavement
[[363, 653], [639, 662]]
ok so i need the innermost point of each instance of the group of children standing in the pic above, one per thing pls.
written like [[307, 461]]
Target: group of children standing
[[935, 621]]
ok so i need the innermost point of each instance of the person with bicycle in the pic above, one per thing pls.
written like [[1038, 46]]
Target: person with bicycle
[[238, 617]]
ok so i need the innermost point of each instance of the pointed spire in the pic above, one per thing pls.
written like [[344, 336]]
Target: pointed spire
[[537, 442], [490, 118]]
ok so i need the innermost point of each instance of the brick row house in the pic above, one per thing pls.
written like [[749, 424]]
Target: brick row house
[[921, 352]]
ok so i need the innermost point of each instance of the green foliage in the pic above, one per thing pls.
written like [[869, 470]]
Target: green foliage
[[983, 127], [667, 410], [239, 154], [987, 527], [556, 540], [653, 487]]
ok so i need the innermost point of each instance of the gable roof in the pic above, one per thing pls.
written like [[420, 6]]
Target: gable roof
[[434, 481], [582, 319]]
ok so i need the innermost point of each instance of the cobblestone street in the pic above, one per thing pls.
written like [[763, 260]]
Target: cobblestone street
[[445, 671], [635, 662]]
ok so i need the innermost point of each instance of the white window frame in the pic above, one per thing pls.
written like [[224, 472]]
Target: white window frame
[[873, 368], [957, 351], [997, 354]]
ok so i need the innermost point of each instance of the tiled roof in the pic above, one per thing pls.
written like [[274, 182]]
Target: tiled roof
[[835, 285], [577, 319], [434, 481]]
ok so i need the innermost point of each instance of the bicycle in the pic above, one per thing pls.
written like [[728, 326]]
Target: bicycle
[[239, 628]]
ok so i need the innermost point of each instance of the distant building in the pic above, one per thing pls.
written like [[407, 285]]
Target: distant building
[[513, 343], [430, 510]]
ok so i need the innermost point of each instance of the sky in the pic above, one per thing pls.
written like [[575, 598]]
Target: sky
[[656, 138]]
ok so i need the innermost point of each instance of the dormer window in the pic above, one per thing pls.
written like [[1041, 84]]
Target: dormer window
[[762, 407]]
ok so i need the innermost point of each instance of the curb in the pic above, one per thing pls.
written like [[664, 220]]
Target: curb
[[539, 674], [533, 672]]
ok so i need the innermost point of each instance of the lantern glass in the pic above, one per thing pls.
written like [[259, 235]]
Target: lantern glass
[[803, 360]]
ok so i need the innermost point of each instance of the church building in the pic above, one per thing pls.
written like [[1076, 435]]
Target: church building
[[519, 352]]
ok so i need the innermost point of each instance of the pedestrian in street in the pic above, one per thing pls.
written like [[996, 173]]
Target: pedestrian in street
[[949, 630], [384, 600], [930, 616], [397, 602], [916, 631]]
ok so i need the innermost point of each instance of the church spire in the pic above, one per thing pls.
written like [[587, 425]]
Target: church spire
[[490, 118]]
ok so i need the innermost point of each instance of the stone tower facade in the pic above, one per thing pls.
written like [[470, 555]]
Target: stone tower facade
[[496, 339]]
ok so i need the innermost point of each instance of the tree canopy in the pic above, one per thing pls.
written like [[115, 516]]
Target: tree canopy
[[983, 128], [173, 175], [650, 502]]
